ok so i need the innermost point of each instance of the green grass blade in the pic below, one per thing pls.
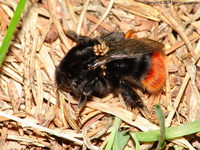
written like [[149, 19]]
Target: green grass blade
[[176, 147], [120, 141], [171, 133], [11, 29], [161, 120], [116, 126], [137, 144]]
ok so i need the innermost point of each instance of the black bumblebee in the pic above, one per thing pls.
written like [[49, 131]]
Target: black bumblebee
[[111, 64]]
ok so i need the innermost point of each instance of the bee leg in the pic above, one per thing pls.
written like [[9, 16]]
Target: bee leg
[[77, 38], [72, 35], [130, 96], [82, 101], [86, 95], [133, 99]]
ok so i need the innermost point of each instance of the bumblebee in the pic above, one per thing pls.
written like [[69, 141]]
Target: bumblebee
[[114, 64]]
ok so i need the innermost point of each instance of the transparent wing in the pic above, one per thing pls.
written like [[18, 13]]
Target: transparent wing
[[127, 48]]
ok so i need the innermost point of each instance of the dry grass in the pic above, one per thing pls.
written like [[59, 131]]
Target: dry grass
[[28, 90]]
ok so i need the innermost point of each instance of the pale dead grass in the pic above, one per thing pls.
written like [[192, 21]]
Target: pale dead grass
[[42, 117]]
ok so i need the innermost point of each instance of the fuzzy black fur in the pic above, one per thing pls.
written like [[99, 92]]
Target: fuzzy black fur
[[125, 64]]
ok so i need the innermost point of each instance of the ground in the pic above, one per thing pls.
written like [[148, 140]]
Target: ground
[[28, 90]]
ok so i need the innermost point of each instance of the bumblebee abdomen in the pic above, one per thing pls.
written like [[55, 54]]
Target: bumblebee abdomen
[[154, 79], [129, 69]]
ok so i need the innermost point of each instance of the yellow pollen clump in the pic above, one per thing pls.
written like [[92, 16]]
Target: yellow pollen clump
[[101, 49]]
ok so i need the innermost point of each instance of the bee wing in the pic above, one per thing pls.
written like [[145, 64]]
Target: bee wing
[[127, 48]]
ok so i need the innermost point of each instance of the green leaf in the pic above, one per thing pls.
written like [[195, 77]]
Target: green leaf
[[120, 141], [137, 144], [171, 133], [116, 126], [11, 29], [161, 120]]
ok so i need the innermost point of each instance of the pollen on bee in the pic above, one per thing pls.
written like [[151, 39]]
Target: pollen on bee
[[103, 67], [101, 49]]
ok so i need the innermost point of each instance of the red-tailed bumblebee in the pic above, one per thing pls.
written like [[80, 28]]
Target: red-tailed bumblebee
[[111, 64]]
